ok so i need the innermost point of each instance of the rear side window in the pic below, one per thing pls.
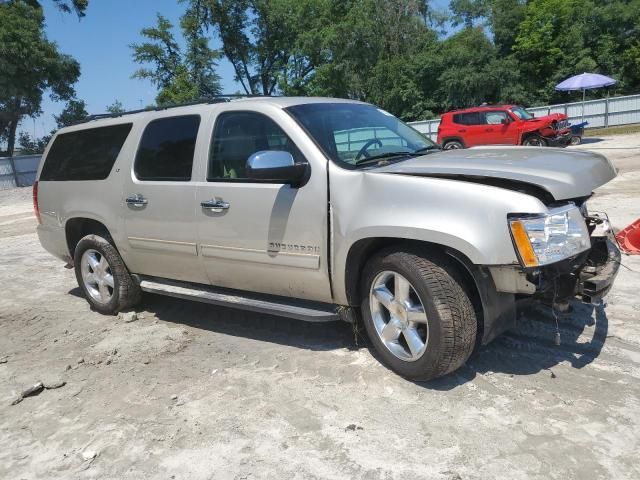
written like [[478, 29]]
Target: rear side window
[[471, 118], [166, 149], [84, 154]]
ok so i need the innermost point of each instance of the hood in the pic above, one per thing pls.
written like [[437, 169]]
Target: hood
[[545, 121], [564, 174]]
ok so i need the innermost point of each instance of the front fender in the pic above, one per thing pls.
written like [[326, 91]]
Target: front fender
[[466, 217]]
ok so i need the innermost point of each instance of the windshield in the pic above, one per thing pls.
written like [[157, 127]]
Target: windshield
[[521, 113], [353, 134]]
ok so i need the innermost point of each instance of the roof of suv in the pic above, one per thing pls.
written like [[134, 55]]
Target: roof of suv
[[196, 107]]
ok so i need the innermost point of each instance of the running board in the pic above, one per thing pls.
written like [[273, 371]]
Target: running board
[[267, 304]]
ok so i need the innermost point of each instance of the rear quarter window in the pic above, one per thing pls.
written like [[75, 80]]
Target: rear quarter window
[[471, 118], [84, 154]]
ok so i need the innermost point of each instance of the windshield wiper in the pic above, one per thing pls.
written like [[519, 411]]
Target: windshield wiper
[[427, 149], [375, 158], [419, 151]]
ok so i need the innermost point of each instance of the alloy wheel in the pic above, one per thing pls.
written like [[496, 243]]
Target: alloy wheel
[[399, 316], [97, 276]]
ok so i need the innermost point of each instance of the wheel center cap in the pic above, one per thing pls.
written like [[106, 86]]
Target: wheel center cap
[[400, 312]]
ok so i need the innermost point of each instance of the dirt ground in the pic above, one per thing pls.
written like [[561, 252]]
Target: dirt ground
[[190, 391]]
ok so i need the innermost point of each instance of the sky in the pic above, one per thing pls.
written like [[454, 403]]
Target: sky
[[100, 42]]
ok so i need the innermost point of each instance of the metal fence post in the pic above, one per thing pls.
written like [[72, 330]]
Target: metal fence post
[[606, 111], [14, 171]]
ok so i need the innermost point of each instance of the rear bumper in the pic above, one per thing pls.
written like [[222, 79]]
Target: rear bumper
[[53, 240]]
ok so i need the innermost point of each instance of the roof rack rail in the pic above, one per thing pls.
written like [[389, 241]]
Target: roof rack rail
[[204, 101]]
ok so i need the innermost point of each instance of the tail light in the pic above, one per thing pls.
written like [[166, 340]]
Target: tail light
[[36, 208]]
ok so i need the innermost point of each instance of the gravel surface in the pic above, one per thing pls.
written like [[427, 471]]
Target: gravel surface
[[190, 391]]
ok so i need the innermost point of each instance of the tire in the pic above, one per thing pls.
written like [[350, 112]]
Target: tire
[[575, 140], [108, 274], [450, 325], [534, 141], [452, 145]]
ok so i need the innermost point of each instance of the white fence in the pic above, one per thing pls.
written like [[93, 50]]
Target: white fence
[[606, 112], [18, 171]]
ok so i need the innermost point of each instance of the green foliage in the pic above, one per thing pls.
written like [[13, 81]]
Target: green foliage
[[30, 65], [559, 38], [393, 52], [31, 146], [116, 107], [73, 112], [79, 7], [181, 76]]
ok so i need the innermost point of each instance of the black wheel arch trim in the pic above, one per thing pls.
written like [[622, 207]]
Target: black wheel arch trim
[[497, 309]]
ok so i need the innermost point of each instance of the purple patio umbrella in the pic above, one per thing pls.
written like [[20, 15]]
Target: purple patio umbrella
[[584, 82]]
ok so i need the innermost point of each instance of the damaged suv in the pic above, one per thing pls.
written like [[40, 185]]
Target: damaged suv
[[502, 125], [324, 209]]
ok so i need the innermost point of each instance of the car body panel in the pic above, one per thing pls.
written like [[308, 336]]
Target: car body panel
[[564, 174], [273, 237], [439, 211]]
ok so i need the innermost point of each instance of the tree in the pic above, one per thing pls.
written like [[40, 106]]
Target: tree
[[180, 76], [74, 112], [116, 107], [65, 6], [465, 12], [262, 40], [32, 146], [30, 65], [559, 38]]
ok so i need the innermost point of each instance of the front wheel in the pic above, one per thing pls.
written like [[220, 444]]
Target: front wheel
[[418, 313], [534, 141], [452, 145], [103, 276]]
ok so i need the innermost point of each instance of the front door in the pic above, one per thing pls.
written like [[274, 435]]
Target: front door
[[499, 129], [263, 237], [158, 201]]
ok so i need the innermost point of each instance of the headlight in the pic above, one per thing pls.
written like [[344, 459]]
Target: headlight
[[541, 240]]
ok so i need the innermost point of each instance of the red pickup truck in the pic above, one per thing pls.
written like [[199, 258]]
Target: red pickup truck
[[501, 125]]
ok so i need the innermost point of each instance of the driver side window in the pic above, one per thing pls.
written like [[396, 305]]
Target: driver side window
[[495, 118], [237, 136]]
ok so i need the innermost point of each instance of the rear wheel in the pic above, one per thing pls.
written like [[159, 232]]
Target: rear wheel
[[534, 141], [103, 276], [575, 140], [417, 313], [452, 145]]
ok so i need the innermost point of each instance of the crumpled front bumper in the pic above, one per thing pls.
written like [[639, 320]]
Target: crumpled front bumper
[[560, 140], [596, 278]]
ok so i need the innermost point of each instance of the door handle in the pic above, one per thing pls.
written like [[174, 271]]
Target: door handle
[[488, 129], [136, 200], [215, 205], [462, 130]]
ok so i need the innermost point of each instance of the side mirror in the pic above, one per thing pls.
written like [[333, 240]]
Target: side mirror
[[505, 121], [276, 166], [533, 115]]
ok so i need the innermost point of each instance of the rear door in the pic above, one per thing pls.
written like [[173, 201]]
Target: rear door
[[499, 129], [470, 127], [265, 237], [158, 201]]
